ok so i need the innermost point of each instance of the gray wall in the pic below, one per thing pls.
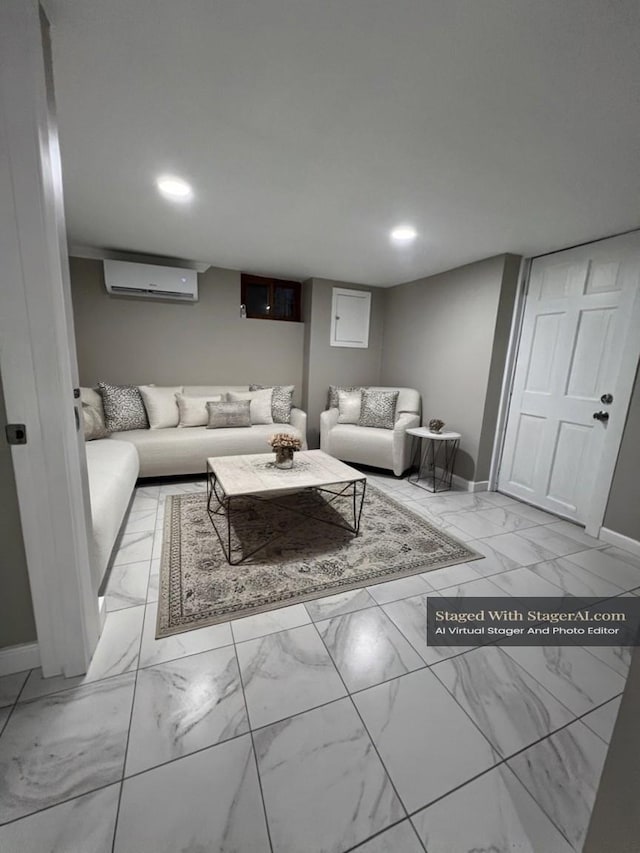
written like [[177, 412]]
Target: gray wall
[[446, 336], [16, 612], [327, 365], [623, 509], [138, 341]]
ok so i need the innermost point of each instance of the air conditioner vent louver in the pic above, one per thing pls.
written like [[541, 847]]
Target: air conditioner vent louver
[[124, 278]]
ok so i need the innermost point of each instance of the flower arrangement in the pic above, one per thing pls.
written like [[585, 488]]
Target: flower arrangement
[[435, 425], [282, 439]]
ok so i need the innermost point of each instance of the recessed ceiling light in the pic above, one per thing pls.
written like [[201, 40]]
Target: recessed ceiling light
[[174, 188], [404, 234]]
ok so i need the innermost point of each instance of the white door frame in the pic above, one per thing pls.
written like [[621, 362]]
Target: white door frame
[[37, 353], [606, 467]]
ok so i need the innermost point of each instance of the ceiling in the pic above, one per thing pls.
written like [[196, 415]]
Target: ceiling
[[309, 128]]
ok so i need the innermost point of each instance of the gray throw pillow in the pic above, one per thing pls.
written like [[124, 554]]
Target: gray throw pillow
[[94, 427], [332, 402], [123, 407], [378, 408], [228, 414], [281, 401], [349, 403]]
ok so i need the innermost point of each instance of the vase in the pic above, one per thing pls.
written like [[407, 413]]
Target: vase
[[284, 457]]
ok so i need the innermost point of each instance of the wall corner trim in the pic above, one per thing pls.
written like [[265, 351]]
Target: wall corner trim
[[19, 658], [620, 541]]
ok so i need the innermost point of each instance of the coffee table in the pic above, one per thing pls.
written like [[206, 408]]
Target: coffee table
[[231, 480]]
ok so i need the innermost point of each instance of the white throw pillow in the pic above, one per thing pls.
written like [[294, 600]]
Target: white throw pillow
[[260, 404], [349, 403], [161, 406], [193, 410]]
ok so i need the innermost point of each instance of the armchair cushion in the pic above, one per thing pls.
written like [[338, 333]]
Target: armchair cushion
[[378, 408]]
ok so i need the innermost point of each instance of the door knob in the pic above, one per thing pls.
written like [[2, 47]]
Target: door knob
[[607, 399], [601, 416]]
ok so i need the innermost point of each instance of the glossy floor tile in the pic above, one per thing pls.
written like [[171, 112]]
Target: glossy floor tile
[[338, 605], [10, 687], [401, 838], [64, 745], [612, 569], [183, 706], [572, 579], [603, 719], [203, 803], [267, 623], [127, 585], [493, 814], [154, 651], [398, 713], [323, 805]]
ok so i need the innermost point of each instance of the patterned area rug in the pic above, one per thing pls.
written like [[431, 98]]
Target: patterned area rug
[[309, 560]]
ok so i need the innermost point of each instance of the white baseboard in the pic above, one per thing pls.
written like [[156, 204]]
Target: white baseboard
[[624, 542], [470, 485], [18, 658]]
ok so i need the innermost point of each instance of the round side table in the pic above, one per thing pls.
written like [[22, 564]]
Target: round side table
[[435, 463]]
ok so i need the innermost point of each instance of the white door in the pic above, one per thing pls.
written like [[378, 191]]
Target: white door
[[577, 358]]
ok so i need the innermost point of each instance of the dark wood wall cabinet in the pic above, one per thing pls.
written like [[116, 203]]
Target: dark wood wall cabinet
[[270, 298]]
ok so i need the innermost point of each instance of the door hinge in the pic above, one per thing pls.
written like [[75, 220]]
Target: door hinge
[[16, 433]]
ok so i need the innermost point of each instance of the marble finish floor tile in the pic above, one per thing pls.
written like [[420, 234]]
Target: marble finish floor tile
[[493, 561], [134, 548], [461, 502], [139, 521], [4, 716], [621, 554], [409, 615], [551, 540], [610, 568], [492, 814], [509, 519], [61, 746], [367, 648], [203, 803], [572, 579], [10, 687], [38, 686], [525, 582], [617, 657], [119, 645], [262, 624], [154, 651], [338, 605], [400, 588], [472, 524], [402, 716], [537, 516], [83, 825], [401, 838], [480, 588], [452, 575], [153, 587], [127, 585], [520, 550], [575, 531], [505, 702], [286, 673], [498, 499], [183, 706], [325, 789], [143, 502], [562, 774], [576, 678], [603, 719]]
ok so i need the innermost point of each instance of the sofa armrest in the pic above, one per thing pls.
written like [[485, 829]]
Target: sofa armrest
[[328, 419], [299, 421], [403, 443]]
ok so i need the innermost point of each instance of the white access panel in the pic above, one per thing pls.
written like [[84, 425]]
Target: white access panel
[[350, 314]]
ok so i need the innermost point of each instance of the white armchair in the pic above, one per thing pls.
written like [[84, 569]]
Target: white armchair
[[381, 448]]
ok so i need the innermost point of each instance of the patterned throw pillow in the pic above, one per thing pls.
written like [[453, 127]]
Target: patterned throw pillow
[[332, 402], [349, 403], [281, 401], [378, 409], [123, 407], [94, 427], [228, 414]]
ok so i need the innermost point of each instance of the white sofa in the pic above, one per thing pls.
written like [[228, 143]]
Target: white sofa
[[114, 463], [380, 448]]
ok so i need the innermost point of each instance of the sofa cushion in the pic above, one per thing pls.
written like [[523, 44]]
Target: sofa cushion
[[161, 405], [281, 401], [93, 423], [227, 414], [193, 410], [260, 404], [332, 401], [123, 407], [378, 408], [349, 403]]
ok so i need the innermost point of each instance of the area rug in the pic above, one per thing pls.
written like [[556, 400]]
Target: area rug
[[310, 560]]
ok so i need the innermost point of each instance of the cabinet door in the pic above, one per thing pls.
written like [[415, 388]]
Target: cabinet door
[[350, 311]]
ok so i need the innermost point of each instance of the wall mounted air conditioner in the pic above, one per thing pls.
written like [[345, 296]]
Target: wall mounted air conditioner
[[124, 278]]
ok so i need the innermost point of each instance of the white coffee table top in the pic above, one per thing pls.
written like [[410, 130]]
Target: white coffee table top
[[425, 432], [256, 473]]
